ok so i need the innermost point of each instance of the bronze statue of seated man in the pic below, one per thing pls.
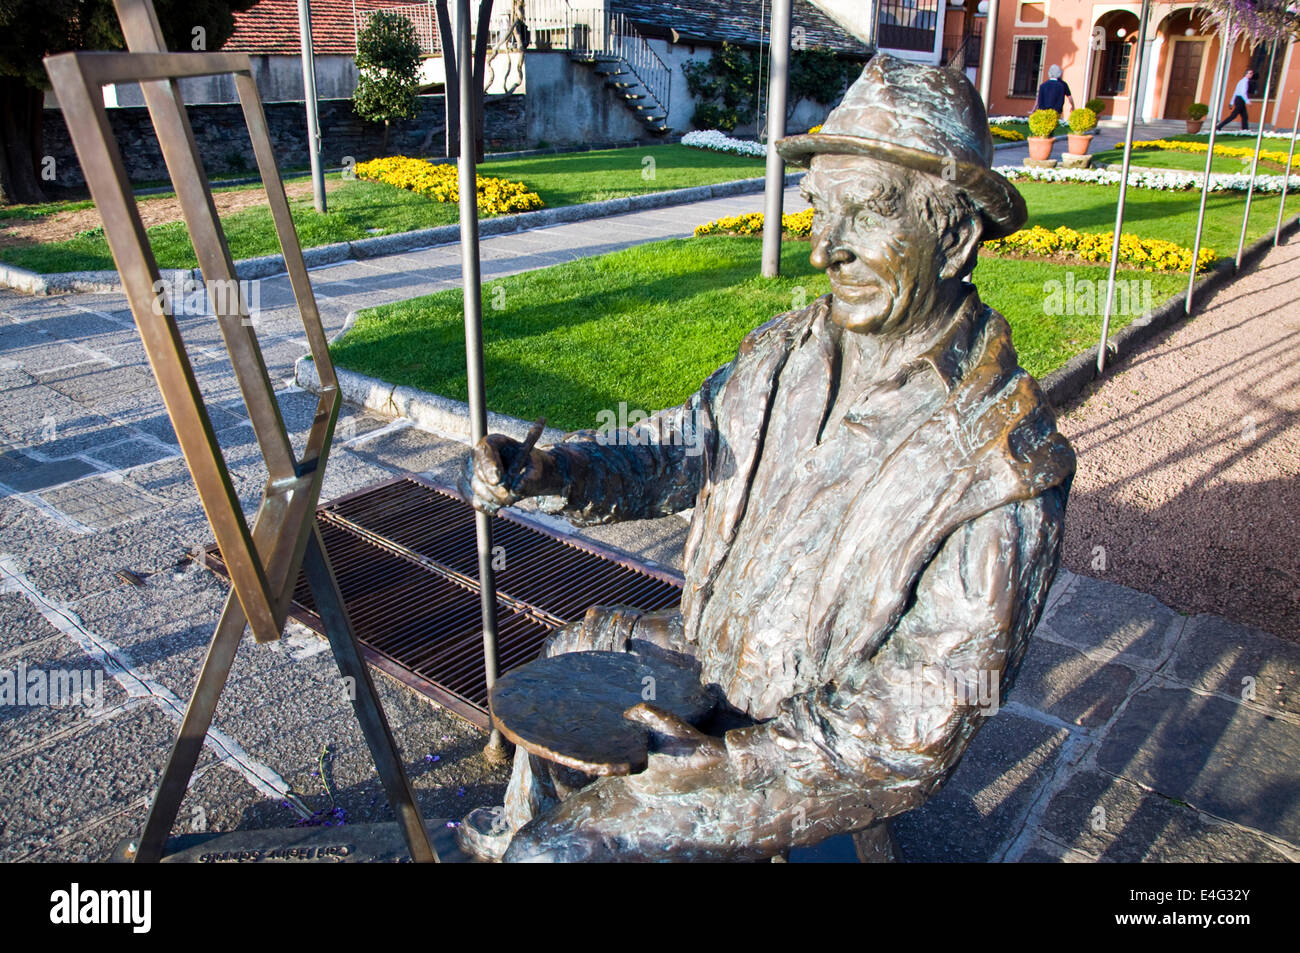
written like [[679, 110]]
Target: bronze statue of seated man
[[878, 493]]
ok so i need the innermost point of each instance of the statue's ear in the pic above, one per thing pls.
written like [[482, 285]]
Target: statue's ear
[[960, 245]]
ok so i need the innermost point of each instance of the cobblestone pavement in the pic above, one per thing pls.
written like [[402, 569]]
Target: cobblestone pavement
[[1127, 736]]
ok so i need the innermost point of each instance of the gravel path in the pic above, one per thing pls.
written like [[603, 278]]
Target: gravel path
[[1188, 459]]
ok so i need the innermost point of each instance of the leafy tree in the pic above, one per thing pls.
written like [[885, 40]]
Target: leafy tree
[[388, 58], [30, 30]]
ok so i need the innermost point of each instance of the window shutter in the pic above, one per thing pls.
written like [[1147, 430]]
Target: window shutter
[[1011, 76]]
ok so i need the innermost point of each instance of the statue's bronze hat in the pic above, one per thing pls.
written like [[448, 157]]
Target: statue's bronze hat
[[926, 118]]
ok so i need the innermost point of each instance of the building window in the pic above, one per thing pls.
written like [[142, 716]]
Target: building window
[[1259, 63], [1114, 73], [907, 25], [1026, 66], [1030, 13]]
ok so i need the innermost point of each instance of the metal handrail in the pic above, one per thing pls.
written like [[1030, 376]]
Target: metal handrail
[[596, 33]]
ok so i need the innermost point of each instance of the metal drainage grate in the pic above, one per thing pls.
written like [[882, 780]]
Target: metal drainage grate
[[406, 559]]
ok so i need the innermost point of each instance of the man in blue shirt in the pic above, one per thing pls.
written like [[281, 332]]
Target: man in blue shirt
[[1054, 93], [1240, 100]]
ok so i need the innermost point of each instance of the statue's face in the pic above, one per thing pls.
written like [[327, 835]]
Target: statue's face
[[883, 258]]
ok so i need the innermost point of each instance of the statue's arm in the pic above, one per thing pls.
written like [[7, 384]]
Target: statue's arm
[[653, 468], [876, 741]]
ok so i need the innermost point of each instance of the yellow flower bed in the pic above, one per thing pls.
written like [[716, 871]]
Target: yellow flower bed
[[1009, 134], [799, 225], [1149, 254], [1199, 148], [440, 183]]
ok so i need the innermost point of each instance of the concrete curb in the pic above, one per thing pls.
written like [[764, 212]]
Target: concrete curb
[[1069, 380], [268, 266]]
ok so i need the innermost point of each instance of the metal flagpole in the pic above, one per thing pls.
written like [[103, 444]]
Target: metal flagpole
[[1123, 182], [778, 82], [473, 296], [1225, 47], [1259, 144], [309, 94], [1286, 173], [986, 56]]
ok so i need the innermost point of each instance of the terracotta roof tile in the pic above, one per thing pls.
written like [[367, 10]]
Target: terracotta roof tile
[[271, 26]]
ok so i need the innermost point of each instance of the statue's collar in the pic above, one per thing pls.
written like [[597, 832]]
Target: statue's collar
[[949, 356]]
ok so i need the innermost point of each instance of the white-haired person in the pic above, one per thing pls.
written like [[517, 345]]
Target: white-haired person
[[1054, 93]]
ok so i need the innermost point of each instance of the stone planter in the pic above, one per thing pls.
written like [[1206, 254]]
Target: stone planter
[[1194, 125], [1040, 147], [1079, 144]]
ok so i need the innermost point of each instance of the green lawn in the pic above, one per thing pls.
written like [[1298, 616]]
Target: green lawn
[[357, 208], [646, 325]]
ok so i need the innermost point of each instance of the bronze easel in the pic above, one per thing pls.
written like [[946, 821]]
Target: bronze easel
[[264, 563]]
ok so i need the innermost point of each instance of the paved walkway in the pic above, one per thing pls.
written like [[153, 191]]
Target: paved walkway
[[1126, 737]]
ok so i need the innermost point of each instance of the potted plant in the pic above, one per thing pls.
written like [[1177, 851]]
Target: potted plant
[[1196, 114], [1082, 122], [1042, 126]]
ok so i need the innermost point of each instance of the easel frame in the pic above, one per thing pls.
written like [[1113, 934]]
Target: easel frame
[[284, 540]]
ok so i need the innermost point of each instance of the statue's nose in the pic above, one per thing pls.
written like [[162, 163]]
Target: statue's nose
[[828, 250]]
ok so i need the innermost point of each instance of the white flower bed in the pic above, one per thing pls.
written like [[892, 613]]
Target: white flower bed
[[1146, 179], [721, 142]]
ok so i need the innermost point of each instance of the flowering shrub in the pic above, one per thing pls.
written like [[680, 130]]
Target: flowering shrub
[[1009, 134], [1153, 179], [1200, 148], [721, 142], [798, 225], [1042, 122], [1149, 254], [440, 183]]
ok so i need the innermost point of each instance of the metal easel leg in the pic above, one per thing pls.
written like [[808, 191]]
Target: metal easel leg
[[194, 728], [383, 748]]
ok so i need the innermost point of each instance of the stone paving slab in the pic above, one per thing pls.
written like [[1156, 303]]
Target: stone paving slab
[[1099, 615], [1226, 759], [1112, 819], [1216, 655]]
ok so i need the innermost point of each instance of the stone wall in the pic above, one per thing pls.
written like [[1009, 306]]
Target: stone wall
[[225, 147]]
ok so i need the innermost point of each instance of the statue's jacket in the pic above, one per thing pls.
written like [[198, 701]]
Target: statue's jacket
[[843, 576]]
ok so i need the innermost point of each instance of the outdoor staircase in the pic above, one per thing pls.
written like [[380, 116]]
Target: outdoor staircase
[[618, 53]]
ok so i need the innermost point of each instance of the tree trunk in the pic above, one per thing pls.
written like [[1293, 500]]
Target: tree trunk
[[21, 110], [450, 88], [480, 64]]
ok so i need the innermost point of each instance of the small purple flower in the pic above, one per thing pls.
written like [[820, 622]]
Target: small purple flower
[[453, 823]]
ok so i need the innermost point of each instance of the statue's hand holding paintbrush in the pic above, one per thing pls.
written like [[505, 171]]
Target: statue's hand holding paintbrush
[[502, 471]]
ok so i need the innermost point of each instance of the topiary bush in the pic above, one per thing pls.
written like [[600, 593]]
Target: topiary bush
[[1042, 122], [388, 61], [1082, 121], [1197, 111], [1096, 105]]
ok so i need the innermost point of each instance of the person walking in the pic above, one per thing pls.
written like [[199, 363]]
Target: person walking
[[1054, 93], [1240, 100]]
